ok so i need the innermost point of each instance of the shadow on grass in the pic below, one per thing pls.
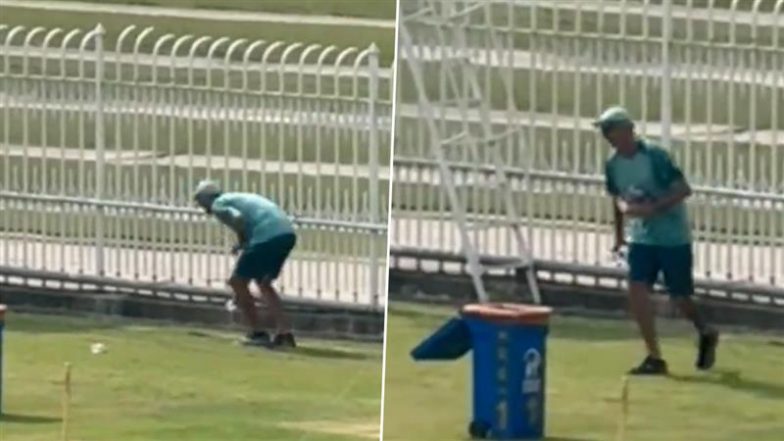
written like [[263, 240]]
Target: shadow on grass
[[27, 419], [733, 380], [566, 327], [561, 438], [52, 323], [335, 354], [423, 314], [302, 350]]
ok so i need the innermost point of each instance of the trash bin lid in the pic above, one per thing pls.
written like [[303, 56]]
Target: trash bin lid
[[509, 313], [450, 342]]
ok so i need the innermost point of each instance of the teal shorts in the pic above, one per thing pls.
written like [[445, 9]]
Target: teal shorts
[[675, 263], [264, 261]]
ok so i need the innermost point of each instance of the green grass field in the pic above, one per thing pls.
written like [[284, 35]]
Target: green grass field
[[178, 383], [342, 36], [383, 9], [740, 400]]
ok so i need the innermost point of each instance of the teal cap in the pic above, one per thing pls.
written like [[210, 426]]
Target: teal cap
[[612, 116], [206, 191]]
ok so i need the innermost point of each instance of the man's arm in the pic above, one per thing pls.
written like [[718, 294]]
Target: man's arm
[[670, 176], [678, 193], [612, 190], [232, 218], [618, 223]]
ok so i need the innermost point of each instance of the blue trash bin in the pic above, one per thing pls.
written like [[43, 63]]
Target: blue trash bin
[[509, 358]]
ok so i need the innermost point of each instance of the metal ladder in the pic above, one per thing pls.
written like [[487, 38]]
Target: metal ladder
[[445, 146]]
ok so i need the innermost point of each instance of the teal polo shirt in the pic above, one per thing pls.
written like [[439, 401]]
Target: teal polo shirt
[[648, 175], [257, 217]]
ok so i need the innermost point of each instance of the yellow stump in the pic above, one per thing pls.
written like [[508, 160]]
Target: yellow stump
[[621, 434], [66, 400]]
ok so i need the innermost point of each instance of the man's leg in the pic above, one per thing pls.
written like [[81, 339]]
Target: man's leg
[[643, 270], [689, 309], [642, 310], [275, 306], [678, 275], [245, 302], [283, 336], [239, 282]]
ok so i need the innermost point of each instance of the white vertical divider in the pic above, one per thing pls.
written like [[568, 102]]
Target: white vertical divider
[[666, 89], [24, 80], [81, 177], [304, 120], [267, 99], [689, 92], [118, 190], [290, 121], [340, 128], [355, 130], [230, 111], [211, 101], [374, 146], [7, 170], [48, 89], [324, 121], [5, 216], [245, 113], [100, 151], [709, 256]]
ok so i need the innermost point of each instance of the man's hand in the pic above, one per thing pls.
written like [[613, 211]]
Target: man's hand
[[642, 210], [618, 247]]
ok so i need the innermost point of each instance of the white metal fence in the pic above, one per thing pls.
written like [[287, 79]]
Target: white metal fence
[[702, 76], [104, 137]]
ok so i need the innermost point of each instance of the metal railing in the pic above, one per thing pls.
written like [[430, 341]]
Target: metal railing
[[702, 77], [102, 147]]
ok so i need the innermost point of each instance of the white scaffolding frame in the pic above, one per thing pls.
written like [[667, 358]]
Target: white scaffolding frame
[[447, 24]]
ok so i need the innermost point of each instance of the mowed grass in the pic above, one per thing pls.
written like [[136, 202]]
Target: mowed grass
[[341, 36], [740, 400], [176, 383], [377, 9]]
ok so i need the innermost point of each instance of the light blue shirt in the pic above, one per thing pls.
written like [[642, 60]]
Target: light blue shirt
[[256, 217]]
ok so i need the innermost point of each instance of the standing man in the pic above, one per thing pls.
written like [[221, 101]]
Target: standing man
[[649, 189], [265, 238]]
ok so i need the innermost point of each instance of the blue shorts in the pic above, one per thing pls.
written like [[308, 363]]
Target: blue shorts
[[264, 261], [674, 263]]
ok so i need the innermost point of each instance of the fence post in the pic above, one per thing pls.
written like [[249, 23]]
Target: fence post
[[375, 204], [666, 91], [100, 149]]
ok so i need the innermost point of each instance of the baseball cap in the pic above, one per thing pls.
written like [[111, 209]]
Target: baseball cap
[[205, 190], [613, 116]]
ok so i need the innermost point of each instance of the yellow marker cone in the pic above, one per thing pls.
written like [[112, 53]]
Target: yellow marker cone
[[621, 435], [66, 400]]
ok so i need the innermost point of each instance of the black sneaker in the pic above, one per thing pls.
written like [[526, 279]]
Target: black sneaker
[[650, 366], [706, 355], [285, 339], [257, 338]]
